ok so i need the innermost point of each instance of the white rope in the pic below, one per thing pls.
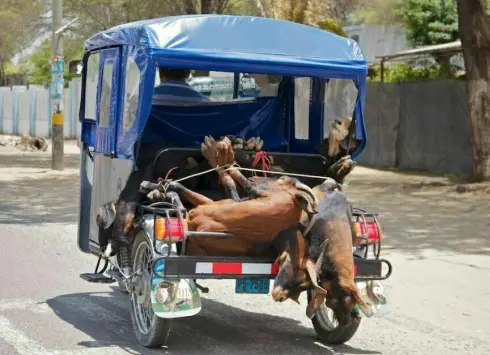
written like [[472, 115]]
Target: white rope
[[280, 173], [235, 166]]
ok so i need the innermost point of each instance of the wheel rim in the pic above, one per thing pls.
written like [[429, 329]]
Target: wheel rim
[[327, 318], [325, 315], [141, 297]]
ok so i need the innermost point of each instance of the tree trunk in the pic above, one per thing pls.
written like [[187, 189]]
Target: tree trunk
[[190, 7], [474, 31], [206, 7]]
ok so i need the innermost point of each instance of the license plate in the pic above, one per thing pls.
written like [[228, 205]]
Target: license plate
[[260, 286]]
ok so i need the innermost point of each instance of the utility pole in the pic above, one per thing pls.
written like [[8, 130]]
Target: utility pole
[[57, 87]]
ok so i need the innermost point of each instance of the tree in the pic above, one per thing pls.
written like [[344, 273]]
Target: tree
[[18, 19], [98, 15], [429, 22], [474, 32], [325, 14], [380, 12], [39, 67]]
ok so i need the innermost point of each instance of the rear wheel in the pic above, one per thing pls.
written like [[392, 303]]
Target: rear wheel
[[151, 331], [327, 327]]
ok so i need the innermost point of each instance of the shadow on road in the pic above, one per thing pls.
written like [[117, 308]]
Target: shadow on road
[[218, 328], [416, 220]]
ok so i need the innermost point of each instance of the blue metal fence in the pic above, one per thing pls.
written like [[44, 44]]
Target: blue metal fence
[[28, 110]]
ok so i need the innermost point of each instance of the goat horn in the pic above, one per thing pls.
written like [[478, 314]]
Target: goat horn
[[319, 261], [311, 269], [303, 187]]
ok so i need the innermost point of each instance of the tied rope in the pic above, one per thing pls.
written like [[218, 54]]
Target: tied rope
[[165, 182]]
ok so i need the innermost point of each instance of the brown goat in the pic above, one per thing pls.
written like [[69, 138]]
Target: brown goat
[[329, 263], [277, 207]]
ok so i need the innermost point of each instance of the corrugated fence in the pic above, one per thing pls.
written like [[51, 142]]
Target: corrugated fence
[[420, 126], [27, 110]]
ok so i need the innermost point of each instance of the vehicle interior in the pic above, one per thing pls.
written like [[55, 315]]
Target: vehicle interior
[[259, 110]]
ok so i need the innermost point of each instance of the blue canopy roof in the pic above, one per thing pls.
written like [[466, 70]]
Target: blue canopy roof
[[239, 43]]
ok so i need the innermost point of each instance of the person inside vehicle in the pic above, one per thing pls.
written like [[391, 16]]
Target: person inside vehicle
[[174, 88]]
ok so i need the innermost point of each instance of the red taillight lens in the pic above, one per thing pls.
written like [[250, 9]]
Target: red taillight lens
[[373, 233], [163, 227]]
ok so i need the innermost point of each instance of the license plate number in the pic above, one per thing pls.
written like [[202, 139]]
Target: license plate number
[[258, 286]]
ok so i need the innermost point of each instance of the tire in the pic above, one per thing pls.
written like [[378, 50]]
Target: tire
[[155, 334], [329, 332]]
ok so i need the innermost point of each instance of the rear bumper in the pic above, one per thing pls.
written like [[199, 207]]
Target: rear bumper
[[197, 267]]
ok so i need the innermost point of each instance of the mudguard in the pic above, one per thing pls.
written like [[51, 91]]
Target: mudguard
[[174, 298]]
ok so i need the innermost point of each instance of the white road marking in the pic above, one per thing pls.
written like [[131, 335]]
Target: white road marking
[[24, 345], [19, 341], [24, 304]]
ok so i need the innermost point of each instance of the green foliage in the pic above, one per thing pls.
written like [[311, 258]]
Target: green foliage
[[429, 22], [39, 62], [403, 72], [332, 26]]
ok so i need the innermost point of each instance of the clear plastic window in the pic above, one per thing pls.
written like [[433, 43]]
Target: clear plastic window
[[105, 98], [131, 94], [339, 104], [219, 86], [302, 98], [91, 82]]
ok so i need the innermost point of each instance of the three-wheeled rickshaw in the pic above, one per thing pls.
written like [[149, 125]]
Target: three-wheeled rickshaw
[[305, 82]]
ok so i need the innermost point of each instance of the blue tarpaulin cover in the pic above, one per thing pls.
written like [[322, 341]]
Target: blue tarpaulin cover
[[222, 43], [216, 40]]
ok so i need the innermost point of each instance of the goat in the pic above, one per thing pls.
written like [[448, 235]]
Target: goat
[[329, 263], [276, 207]]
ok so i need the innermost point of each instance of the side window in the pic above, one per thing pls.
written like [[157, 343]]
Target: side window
[[267, 84], [131, 93], [339, 104], [302, 98], [105, 97], [91, 82]]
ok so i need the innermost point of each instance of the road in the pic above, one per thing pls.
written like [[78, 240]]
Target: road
[[439, 292]]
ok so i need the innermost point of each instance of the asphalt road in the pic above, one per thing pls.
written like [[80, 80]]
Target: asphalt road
[[439, 292]]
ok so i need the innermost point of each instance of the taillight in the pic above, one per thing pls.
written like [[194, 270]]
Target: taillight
[[373, 232], [166, 227]]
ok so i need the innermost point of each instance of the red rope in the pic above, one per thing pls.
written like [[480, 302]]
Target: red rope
[[168, 173], [262, 157]]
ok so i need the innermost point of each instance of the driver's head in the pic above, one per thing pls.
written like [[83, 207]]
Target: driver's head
[[173, 74]]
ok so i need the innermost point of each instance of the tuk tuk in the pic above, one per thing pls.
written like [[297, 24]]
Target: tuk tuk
[[304, 80]]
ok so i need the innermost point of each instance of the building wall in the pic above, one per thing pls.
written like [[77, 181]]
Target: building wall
[[376, 40]]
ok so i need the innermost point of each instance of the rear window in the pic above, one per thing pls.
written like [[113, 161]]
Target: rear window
[[219, 86]]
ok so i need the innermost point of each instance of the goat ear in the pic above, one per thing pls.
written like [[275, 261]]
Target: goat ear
[[314, 304], [281, 257], [356, 298], [306, 203], [106, 215]]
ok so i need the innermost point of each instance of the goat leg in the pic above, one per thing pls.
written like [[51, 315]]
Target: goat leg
[[340, 169], [230, 186], [193, 197], [238, 177]]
